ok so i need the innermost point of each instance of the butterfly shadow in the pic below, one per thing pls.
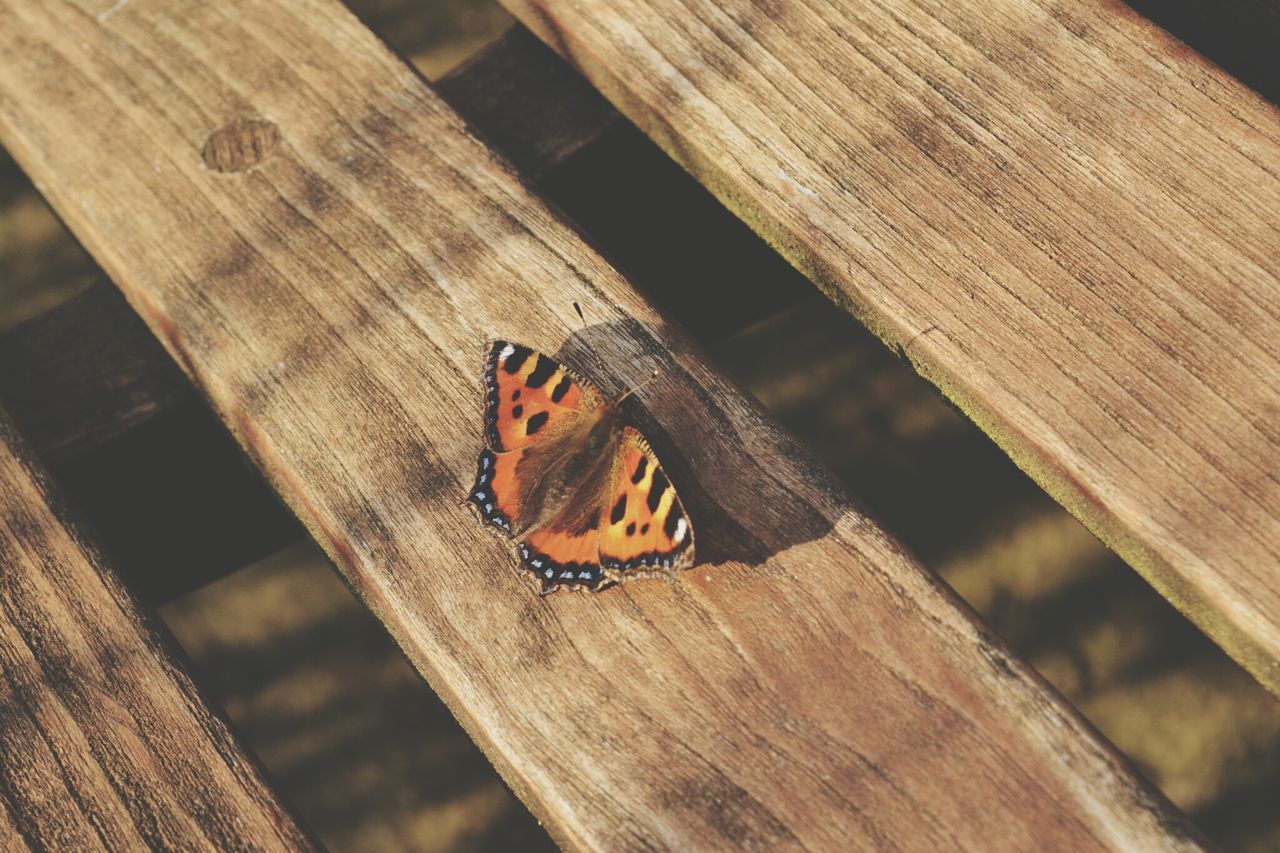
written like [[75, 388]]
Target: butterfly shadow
[[740, 510]]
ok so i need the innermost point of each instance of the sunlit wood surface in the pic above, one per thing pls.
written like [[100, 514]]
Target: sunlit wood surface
[[106, 742], [325, 283], [1062, 217]]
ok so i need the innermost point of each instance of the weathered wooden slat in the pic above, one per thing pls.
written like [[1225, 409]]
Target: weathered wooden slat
[[106, 743], [142, 460], [87, 370], [1067, 221], [147, 465], [810, 685]]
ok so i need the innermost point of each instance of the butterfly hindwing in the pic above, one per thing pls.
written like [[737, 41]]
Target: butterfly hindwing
[[496, 491], [565, 552], [563, 558], [644, 526], [529, 396]]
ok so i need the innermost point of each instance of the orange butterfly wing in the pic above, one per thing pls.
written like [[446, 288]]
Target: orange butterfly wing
[[528, 399], [633, 524], [525, 393], [562, 555], [644, 526]]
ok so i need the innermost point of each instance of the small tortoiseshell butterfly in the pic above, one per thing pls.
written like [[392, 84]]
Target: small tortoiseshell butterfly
[[560, 470]]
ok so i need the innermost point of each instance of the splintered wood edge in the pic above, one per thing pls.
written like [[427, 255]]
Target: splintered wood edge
[[1032, 458]]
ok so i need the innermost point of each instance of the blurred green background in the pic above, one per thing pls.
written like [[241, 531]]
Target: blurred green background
[[370, 758]]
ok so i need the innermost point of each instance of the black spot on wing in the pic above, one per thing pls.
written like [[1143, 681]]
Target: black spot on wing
[[641, 467], [631, 529], [619, 510], [516, 360], [562, 388], [517, 410], [673, 519], [535, 423], [541, 373], [656, 490]]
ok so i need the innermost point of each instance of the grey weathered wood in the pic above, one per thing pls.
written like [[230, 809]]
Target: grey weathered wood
[[105, 742], [810, 685], [1066, 220]]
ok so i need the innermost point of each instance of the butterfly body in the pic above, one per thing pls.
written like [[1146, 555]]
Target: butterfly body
[[563, 472]]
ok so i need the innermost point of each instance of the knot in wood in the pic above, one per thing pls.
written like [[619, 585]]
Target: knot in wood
[[240, 145]]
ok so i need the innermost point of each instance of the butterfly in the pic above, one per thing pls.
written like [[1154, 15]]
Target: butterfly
[[581, 489]]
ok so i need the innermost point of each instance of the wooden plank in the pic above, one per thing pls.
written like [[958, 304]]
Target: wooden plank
[[809, 686], [106, 742], [146, 464], [1064, 219], [86, 371]]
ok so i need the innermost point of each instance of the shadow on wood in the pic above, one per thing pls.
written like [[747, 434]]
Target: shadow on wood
[[781, 520]]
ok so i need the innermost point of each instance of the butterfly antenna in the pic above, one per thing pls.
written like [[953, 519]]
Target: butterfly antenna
[[652, 377]]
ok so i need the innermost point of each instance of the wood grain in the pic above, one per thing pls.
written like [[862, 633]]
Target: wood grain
[[106, 743], [82, 373], [1065, 219], [810, 685], [143, 460]]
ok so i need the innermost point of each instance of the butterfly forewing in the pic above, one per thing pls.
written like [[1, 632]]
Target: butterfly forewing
[[644, 526], [530, 400], [529, 396]]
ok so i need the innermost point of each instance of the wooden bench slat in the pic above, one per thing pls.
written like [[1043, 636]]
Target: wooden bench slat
[[101, 400], [1066, 220], [87, 370], [106, 743], [811, 685]]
